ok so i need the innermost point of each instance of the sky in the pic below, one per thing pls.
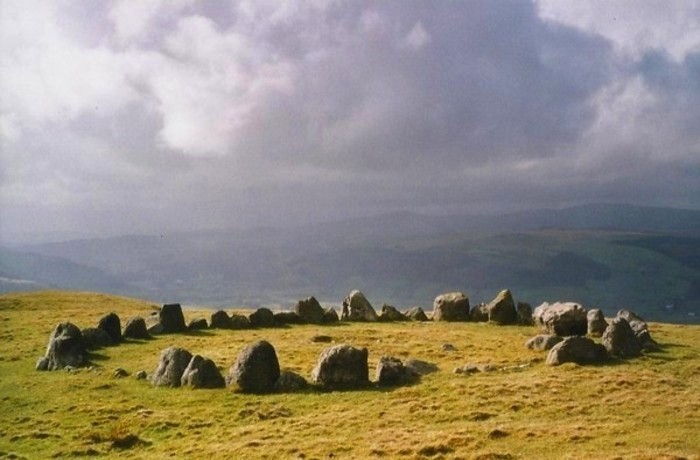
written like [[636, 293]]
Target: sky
[[156, 116]]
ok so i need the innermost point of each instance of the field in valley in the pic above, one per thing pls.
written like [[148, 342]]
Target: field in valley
[[648, 407]]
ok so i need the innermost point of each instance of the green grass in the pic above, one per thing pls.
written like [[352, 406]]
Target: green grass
[[643, 408]]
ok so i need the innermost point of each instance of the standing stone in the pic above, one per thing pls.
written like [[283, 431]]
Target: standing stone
[[563, 319], [640, 328], [111, 325], [619, 339], [524, 314], [172, 364], [95, 338], [330, 316], [357, 308], [596, 322], [502, 309], [309, 310], [197, 324], [287, 317], [136, 329], [576, 349], [417, 314], [453, 306], [391, 371], [256, 369], [390, 313], [220, 320], [290, 381], [342, 366], [240, 322], [543, 342], [202, 373], [171, 318], [262, 317], [479, 313], [65, 348]]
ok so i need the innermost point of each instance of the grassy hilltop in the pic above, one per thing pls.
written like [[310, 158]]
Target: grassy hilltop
[[647, 407]]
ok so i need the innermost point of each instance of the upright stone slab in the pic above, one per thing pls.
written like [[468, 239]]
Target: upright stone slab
[[596, 322], [309, 310], [220, 320], [390, 313], [172, 364], [111, 324], [136, 329], [453, 306], [502, 309], [330, 316], [417, 314], [356, 307], [256, 369], [171, 318], [524, 314], [262, 317], [65, 348], [202, 373], [620, 340]]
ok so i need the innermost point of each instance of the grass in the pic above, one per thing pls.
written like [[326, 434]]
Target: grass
[[643, 408]]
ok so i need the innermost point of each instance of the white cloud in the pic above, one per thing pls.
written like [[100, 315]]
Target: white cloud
[[417, 38]]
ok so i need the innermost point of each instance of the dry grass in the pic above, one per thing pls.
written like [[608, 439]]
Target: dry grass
[[643, 408]]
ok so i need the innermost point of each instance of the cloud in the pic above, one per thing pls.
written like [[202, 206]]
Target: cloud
[[248, 110]]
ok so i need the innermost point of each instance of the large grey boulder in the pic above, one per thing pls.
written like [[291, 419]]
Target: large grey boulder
[[453, 306], [262, 317], [202, 373], [502, 309], [417, 314], [620, 340], [356, 307], [135, 328], [172, 364], [65, 348], [479, 313], [95, 338], [576, 349], [330, 316], [220, 320], [171, 318], [596, 322], [112, 326], [390, 313], [256, 369], [640, 328], [309, 310], [543, 342], [391, 371], [342, 366], [561, 318], [524, 314]]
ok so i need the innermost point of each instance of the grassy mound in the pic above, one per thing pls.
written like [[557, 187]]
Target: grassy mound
[[647, 407]]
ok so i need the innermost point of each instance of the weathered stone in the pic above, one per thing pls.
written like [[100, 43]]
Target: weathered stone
[[524, 314], [95, 338], [120, 373], [172, 364], [453, 306], [502, 309], [640, 328], [390, 313], [111, 325], [290, 381], [240, 322], [309, 310], [171, 318], [562, 319], [141, 375], [220, 320], [202, 373], [65, 348], [479, 313], [576, 349], [420, 367], [467, 369], [342, 366], [288, 317], [197, 324], [256, 369], [357, 308], [262, 317], [448, 347], [391, 371], [620, 340], [155, 329], [417, 314], [330, 316], [543, 342], [596, 322], [135, 328]]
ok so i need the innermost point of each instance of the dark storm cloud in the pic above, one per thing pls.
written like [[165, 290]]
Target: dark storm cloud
[[139, 116]]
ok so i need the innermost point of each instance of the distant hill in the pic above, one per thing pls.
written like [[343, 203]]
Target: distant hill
[[611, 256]]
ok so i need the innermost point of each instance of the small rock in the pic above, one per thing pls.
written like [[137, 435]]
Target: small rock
[[197, 324], [421, 367], [543, 342], [141, 375], [448, 347], [120, 373], [466, 369], [290, 381]]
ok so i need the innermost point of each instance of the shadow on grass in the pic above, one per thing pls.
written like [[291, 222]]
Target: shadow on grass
[[95, 356]]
